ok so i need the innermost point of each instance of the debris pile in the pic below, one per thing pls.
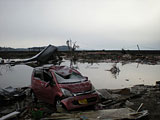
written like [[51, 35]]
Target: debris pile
[[139, 97], [139, 101], [10, 94], [127, 103]]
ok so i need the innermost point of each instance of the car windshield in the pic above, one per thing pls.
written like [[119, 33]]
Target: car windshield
[[70, 78]]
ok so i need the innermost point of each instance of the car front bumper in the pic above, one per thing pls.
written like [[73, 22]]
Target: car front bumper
[[77, 101]]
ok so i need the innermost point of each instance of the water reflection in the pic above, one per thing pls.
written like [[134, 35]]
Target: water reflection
[[114, 70], [128, 75], [5, 68]]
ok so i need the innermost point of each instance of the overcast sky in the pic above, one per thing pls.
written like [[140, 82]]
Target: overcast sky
[[94, 24]]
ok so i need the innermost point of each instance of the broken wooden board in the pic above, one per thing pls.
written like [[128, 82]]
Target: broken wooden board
[[108, 114], [10, 115]]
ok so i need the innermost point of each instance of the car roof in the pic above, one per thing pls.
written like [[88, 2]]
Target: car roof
[[62, 70]]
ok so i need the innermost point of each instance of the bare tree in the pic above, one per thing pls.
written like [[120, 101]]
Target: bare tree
[[72, 47]]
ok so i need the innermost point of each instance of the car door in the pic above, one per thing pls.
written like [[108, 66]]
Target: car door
[[37, 83], [48, 87], [44, 86]]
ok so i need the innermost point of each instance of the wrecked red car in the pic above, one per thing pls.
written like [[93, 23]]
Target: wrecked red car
[[61, 84]]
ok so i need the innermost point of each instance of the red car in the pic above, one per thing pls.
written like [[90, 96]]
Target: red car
[[61, 84]]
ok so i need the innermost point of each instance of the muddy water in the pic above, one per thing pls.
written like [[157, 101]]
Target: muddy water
[[129, 75]]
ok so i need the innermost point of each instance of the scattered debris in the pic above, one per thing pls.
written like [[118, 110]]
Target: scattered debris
[[128, 103], [142, 100], [8, 94], [158, 84], [139, 89], [127, 56], [139, 107], [44, 55], [47, 55], [124, 91], [104, 94], [1, 61], [113, 105], [110, 114], [114, 70], [9, 116]]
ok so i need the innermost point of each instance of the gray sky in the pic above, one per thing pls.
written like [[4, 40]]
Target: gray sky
[[94, 24]]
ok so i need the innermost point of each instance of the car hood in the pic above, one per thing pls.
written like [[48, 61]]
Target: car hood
[[77, 87]]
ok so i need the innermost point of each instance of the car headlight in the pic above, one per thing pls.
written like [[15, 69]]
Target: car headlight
[[66, 92]]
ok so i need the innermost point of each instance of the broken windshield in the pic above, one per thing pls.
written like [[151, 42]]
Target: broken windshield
[[70, 78]]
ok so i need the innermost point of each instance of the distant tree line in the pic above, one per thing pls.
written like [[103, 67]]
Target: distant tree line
[[60, 48]]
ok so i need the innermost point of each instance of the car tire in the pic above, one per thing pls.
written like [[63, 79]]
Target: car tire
[[59, 106]]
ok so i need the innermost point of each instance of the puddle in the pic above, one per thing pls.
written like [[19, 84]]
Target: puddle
[[129, 75]]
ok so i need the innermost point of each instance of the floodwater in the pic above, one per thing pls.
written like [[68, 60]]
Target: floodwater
[[15, 76], [130, 74]]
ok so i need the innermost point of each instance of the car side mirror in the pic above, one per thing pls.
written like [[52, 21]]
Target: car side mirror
[[86, 78]]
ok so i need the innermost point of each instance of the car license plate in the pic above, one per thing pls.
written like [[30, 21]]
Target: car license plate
[[84, 101]]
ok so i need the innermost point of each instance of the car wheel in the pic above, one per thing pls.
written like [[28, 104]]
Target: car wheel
[[59, 106]]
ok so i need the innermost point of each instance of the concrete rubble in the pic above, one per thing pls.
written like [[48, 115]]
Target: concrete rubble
[[127, 103]]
